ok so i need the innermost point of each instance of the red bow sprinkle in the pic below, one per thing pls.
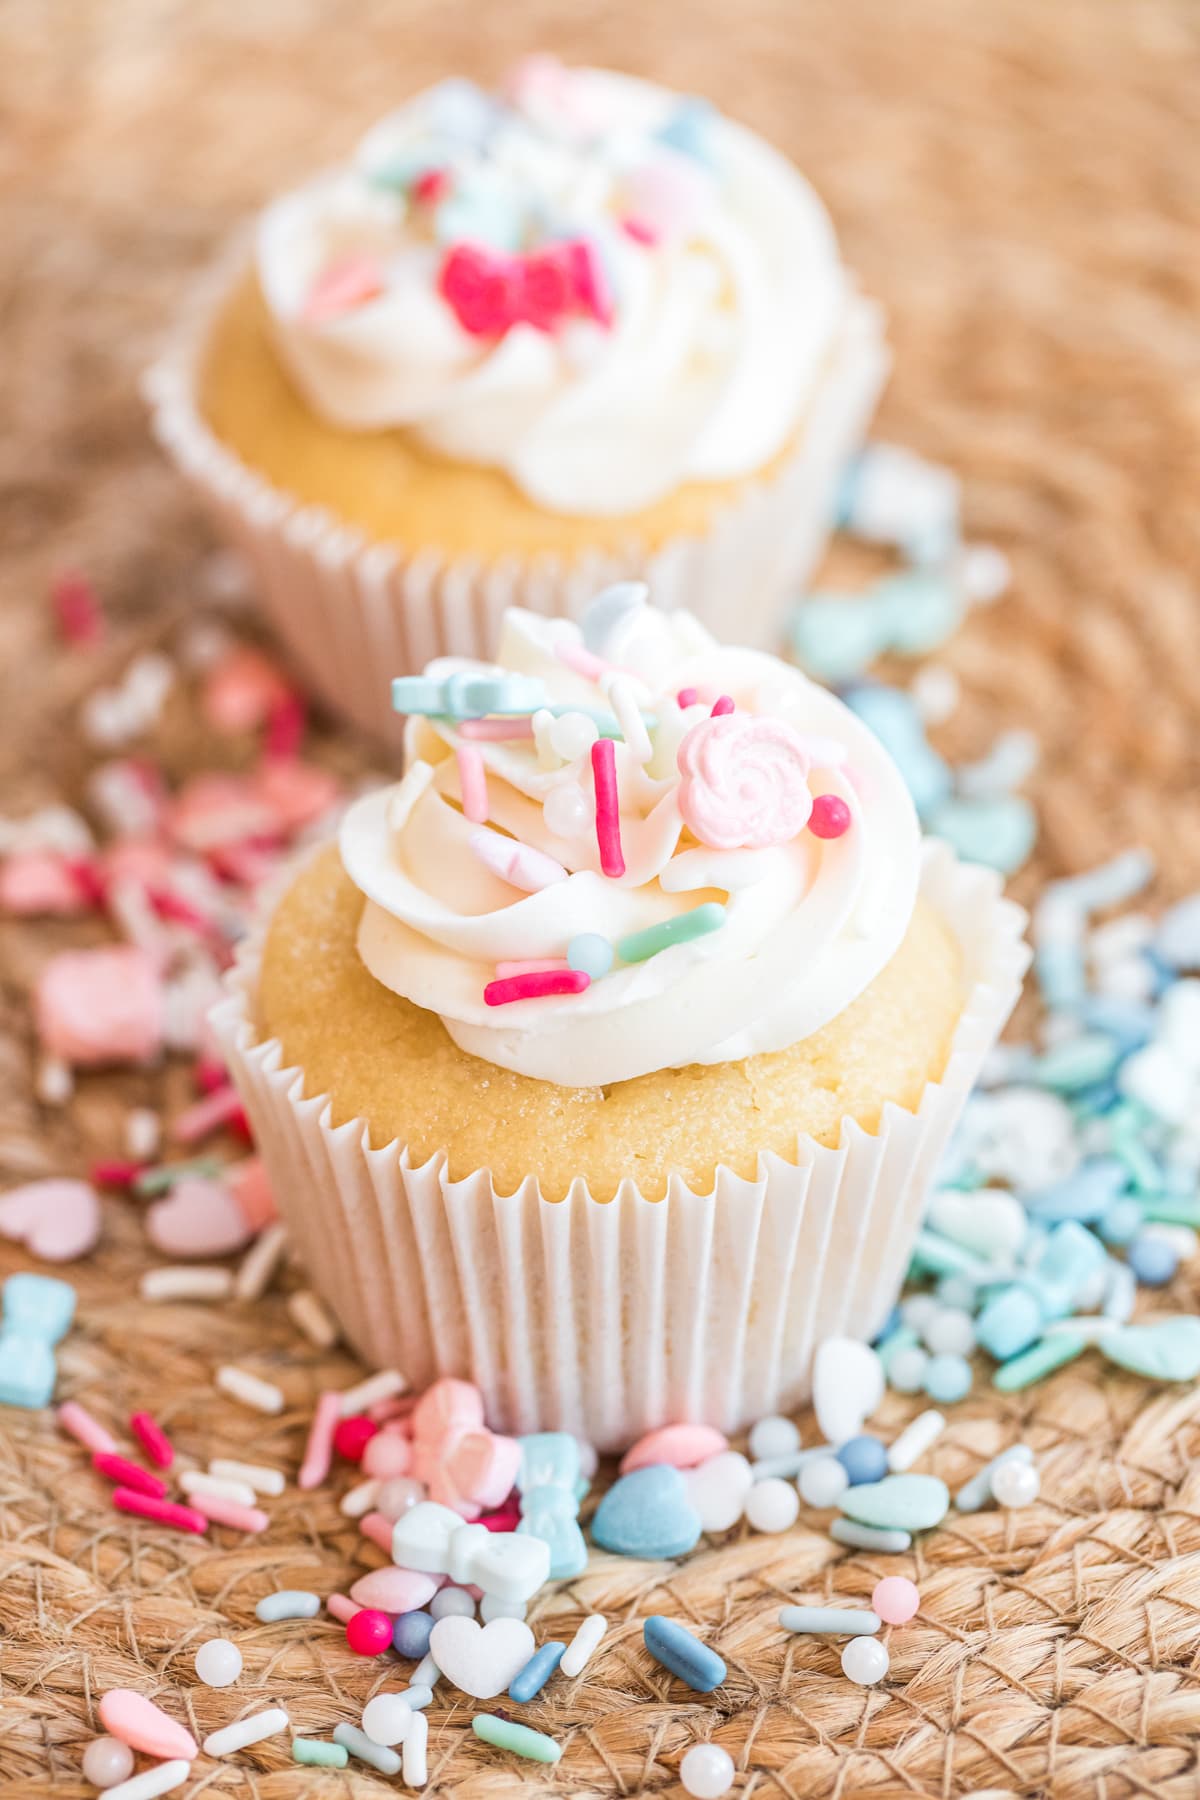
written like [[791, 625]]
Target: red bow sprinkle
[[490, 291]]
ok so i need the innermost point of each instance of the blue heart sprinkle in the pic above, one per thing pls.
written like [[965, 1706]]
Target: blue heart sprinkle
[[647, 1513]]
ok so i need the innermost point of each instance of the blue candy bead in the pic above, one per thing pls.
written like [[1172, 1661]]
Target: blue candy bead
[[410, 1634], [676, 1649], [1121, 1221], [591, 953], [835, 637], [864, 1458], [529, 1681], [1010, 1322], [947, 1377], [1153, 1260]]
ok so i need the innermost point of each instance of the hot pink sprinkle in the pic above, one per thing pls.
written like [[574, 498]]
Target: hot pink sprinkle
[[87, 1431], [576, 657], [688, 696], [77, 609], [209, 1073], [591, 280], [535, 987], [472, 780], [287, 722], [318, 1452], [126, 1474], [830, 816], [608, 807], [114, 1174], [230, 1513], [222, 1107], [721, 705], [535, 965], [162, 1512], [153, 1439], [373, 1525], [345, 284], [507, 1518], [495, 730], [341, 1607], [640, 231], [177, 911]]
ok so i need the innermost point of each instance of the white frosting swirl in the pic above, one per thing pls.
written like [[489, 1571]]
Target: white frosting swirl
[[808, 923], [719, 326]]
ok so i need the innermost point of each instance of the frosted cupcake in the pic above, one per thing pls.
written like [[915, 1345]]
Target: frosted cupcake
[[517, 347], [607, 1057]]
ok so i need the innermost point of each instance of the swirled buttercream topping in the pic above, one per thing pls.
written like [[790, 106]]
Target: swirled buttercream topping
[[583, 899], [590, 283]]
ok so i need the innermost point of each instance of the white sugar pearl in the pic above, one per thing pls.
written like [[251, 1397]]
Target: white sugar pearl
[[218, 1663], [865, 1661], [386, 1719], [774, 1436], [906, 1369], [589, 1461], [772, 1505], [106, 1761], [566, 810], [950, 1332], [918, 1310], [822, 1482], [706, 1771], [450, 1602], [1015, 1484], [572, 735]]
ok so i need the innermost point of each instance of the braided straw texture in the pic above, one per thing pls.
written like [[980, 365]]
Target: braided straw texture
[[1018, 182]]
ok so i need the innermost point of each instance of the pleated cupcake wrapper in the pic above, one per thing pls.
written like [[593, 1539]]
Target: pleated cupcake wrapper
[[608, 1317], [353, 612]]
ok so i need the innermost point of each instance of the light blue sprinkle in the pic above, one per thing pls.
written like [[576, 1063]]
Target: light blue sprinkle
[[590, 953], [465, 695], [1129, 1022], [786, 1468], [864, 1458], [921, 609], [838, 1621], [480, 212], [947, 1377], [1121, 1221], [1121, 1293], [462, 111], [1010, 1322], [418, 1696], [1110, 884], [1071, 1259], [999, 833], [1153, 1260], [607, 609], [1084, 1196], [1177, 939], [893, 717], [1010, 761], [1060, 973], [1164, 1349], [377, 1756], [289, 1603], [528, 1682], [909, 1502], [688, 128], [676, 1649], [836, 636], [1077, 1063], [869, 1537], [37, 1313]]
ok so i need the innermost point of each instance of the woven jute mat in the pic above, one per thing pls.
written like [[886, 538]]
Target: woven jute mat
[[1018, 181]]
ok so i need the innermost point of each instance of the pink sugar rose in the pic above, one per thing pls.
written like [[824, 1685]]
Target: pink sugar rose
[[744, 782]]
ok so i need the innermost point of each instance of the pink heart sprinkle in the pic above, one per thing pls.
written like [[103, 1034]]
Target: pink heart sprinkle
[[198, 1218], [58, 1220]]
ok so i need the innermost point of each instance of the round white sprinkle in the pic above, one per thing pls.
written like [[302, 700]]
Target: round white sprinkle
[[1015, 1484], [773, 1436], [707, 1771], [492, 1608], [772, 1505], [386, 1719], [865, 1661], [449, 1602], [950, 1332], [823, 1482], [572, 734], [106, 1761], [218, 1663]]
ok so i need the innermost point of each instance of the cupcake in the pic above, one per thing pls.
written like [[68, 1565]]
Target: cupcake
[[518, 347], [606, 1058]]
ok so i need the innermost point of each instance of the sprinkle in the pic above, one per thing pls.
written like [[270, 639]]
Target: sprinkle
[[721, 705], [256, 1475], [319, 1754], [180, 1283], [119, 1469], [163, 1778], [310, 1316], [582, 661], [222, 1107], [505, 1734], [590, 952], [161, 1512], [467, 695], [869, 1537], [639, 946], [472, 781], [194, 1481], [239, 1384], [340, 1607], [528, 1682], [535, 987], [914, 1440], [77, 610], [341, 287], [359, 1500], [369, 1632], [113, 1173], [377, 1756], [536, 965], [495, 731], [353, 1434], [976, 1492], [687, 696], [378, 1528], [416, 1769], [318, 1452], [288, 1603], [366, 1394], [245, 1732], [152, 1182], [143, 1131], [837, 1621], [230, 1513], [675, 1647], [1039, 1360], [583, 1645], [87, 1431], [519, 864], [830, 816], [257, 1268], [620, 697], [426, 1674], [153, 1439], [608, 808]]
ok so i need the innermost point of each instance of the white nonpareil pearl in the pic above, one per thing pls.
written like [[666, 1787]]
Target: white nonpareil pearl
[[567, 811], [106, 1761], [386, 1719], [1016, 1484], [822, 1482], [218, 1663], [772, 1505], [706, 1771], [865, 1661], [450, 1602], [774, 1436]]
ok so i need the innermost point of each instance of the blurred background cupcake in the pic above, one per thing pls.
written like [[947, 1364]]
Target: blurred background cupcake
[[519, 346]]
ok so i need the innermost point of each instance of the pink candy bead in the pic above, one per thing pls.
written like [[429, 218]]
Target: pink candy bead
[[352, 1435], [895, 1599], [242, 690], [388, 1453], [830, 816], [39, 883], [297, 793], [683, 1446], [100, 1006], [369, 1633]]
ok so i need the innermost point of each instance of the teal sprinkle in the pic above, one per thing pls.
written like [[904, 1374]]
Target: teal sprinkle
[[319, 1754], [937, 1255], [1039, 1360], [640, 946], [520, 1739], [1171, 1209]]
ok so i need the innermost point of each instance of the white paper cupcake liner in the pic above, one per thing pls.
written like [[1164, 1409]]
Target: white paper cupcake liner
[[606, 1318], [353, 612]]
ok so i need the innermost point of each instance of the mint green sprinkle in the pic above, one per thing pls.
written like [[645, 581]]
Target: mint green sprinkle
[[1040, 1359], [319, 1753], [1077, 1063], [934, 1254], [157, 1181], [505, 1734], [1171, 1209], [640, 946]]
